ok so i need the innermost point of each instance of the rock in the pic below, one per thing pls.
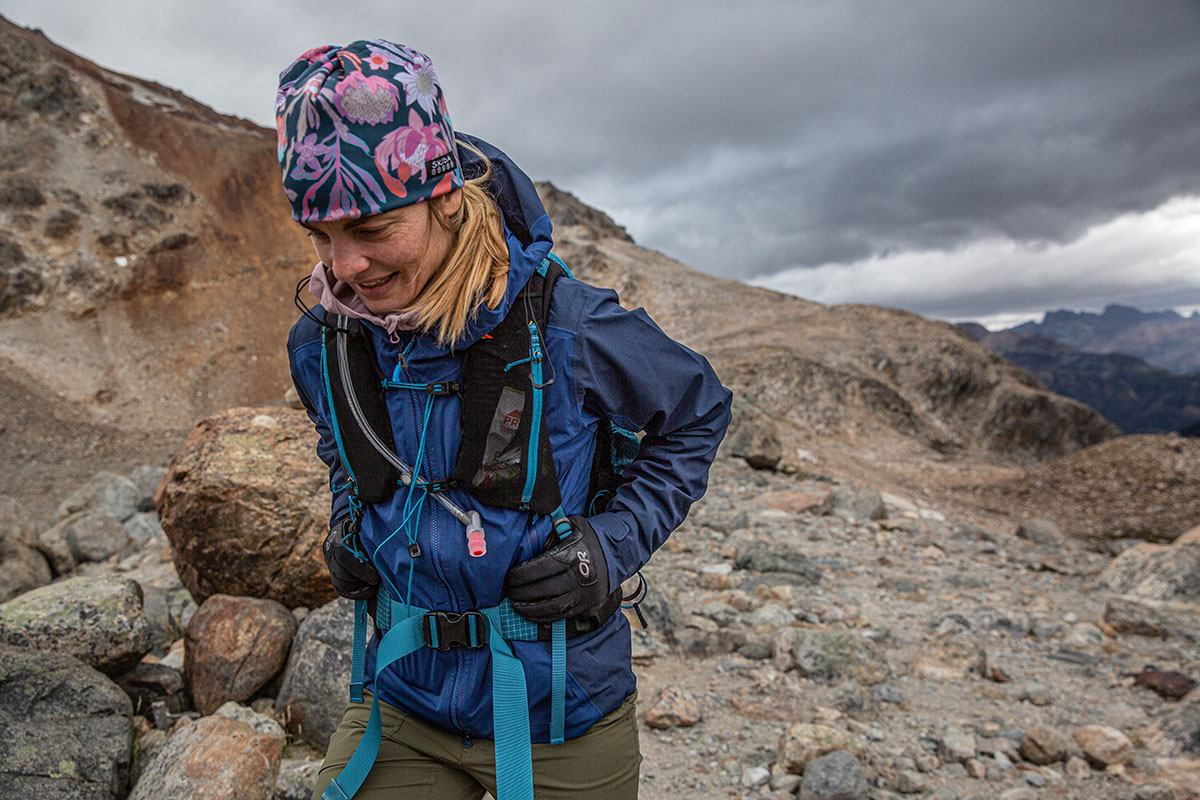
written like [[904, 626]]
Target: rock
[[145, 745], [146, 478], [1043, 532], [1103, 745], [805, 742], [82, 536], [1077, 767], [1145, 617], [105, 492], [950, 659], [771, 615], [233, 646], [812, 499], [955, 744], [1085, 635], [1036, 693], [144, 527], [22, 568], [296, 779], [65, 729], [260, 723], [984, 618], [752, 435], [764, 557], [1176, 734], [246, 508], [1000, 746], [215, 758], [909, 781], [149, 683], [853, 503], [784, 782], [753, 777], [98, 620], [1020, 793], [975, 768], [312, 695], [1173, 685], [1156, 572], [1155, 791], [832, 657], [1044, 745], [834, 776], [672, 707]]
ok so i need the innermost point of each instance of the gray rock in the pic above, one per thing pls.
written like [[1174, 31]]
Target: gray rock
[[752, 435], [148, 683], [853, 503], [1044, 745], [784, 782], [144, 527], [753, 777], [763, 557], [1041, 531], [1146, 617], [719, 612], [771, 615], [909, 781], [65, 729], [296, 779], [98, 620], [259, 723], [831, 657], [106, 492], [22, 567], [16, 523], [313, 694], [955, 744], [836, 776], [1176, 734], [983, 618], [1156, 572], [82, 536], [887, 693], [146, 478]]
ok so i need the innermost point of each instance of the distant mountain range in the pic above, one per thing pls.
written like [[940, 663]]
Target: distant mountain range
[[1123, 362], [1162, 338]]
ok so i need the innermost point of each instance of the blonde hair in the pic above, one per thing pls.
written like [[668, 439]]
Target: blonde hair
[[475, 271]]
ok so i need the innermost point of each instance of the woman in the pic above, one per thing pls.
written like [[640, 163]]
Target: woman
[[495, 593]]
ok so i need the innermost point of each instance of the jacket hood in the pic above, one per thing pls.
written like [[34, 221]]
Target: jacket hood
[[527, 226]]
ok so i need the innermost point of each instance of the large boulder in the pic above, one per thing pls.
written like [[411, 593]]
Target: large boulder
[[213, 758], [65, 729], [831, 657], [245, 505], [314, 691], [22, 566], [1156, 572], [752, 435], [233, 647], [97, 619]]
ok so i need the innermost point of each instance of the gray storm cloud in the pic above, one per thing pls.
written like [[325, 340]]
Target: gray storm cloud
[[752, 138]]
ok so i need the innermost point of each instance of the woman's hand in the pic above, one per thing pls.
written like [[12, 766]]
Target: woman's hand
[[351, 572], [570, 577]]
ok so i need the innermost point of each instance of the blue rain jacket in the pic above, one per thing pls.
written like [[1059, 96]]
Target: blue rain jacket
[[608, 363]]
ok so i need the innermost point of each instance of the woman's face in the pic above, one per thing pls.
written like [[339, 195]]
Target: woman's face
[[387, 258]]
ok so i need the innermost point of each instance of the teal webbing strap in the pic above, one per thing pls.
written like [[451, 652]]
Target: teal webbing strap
[[510, 717], [535, 424], [404, 638], [510, 712], [358, 656], [558, 681], [383, 611]]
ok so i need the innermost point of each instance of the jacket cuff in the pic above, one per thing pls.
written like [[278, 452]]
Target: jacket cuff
[[618, 546]]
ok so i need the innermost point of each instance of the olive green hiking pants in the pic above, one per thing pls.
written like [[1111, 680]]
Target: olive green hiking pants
[[420, 762]]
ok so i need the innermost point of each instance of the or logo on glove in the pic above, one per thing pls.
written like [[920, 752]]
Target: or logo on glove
[[569, 578], [351, 572]]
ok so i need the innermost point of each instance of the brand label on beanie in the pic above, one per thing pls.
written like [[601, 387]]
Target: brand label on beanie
[[439, 166]]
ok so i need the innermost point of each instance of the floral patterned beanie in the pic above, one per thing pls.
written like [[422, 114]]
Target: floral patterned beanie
[[363, 129]]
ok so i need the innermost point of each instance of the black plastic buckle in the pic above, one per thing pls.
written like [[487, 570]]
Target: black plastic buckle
[[442, 388], [444, 485], [443, 630]]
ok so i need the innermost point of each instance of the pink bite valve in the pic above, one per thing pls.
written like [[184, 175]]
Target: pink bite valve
[[476, 544]]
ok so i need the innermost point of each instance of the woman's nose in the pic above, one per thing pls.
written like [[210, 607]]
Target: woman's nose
[[349, 259]]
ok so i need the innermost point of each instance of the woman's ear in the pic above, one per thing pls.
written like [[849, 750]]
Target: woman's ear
[[448, 204]]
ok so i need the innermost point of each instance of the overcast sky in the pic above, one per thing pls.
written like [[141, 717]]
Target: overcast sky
[[966, 160]]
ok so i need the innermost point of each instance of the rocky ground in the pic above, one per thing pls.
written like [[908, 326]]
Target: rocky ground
[[805, 639]]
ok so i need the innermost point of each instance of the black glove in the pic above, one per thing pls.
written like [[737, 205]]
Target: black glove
[[350, 570], [570, 577]]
